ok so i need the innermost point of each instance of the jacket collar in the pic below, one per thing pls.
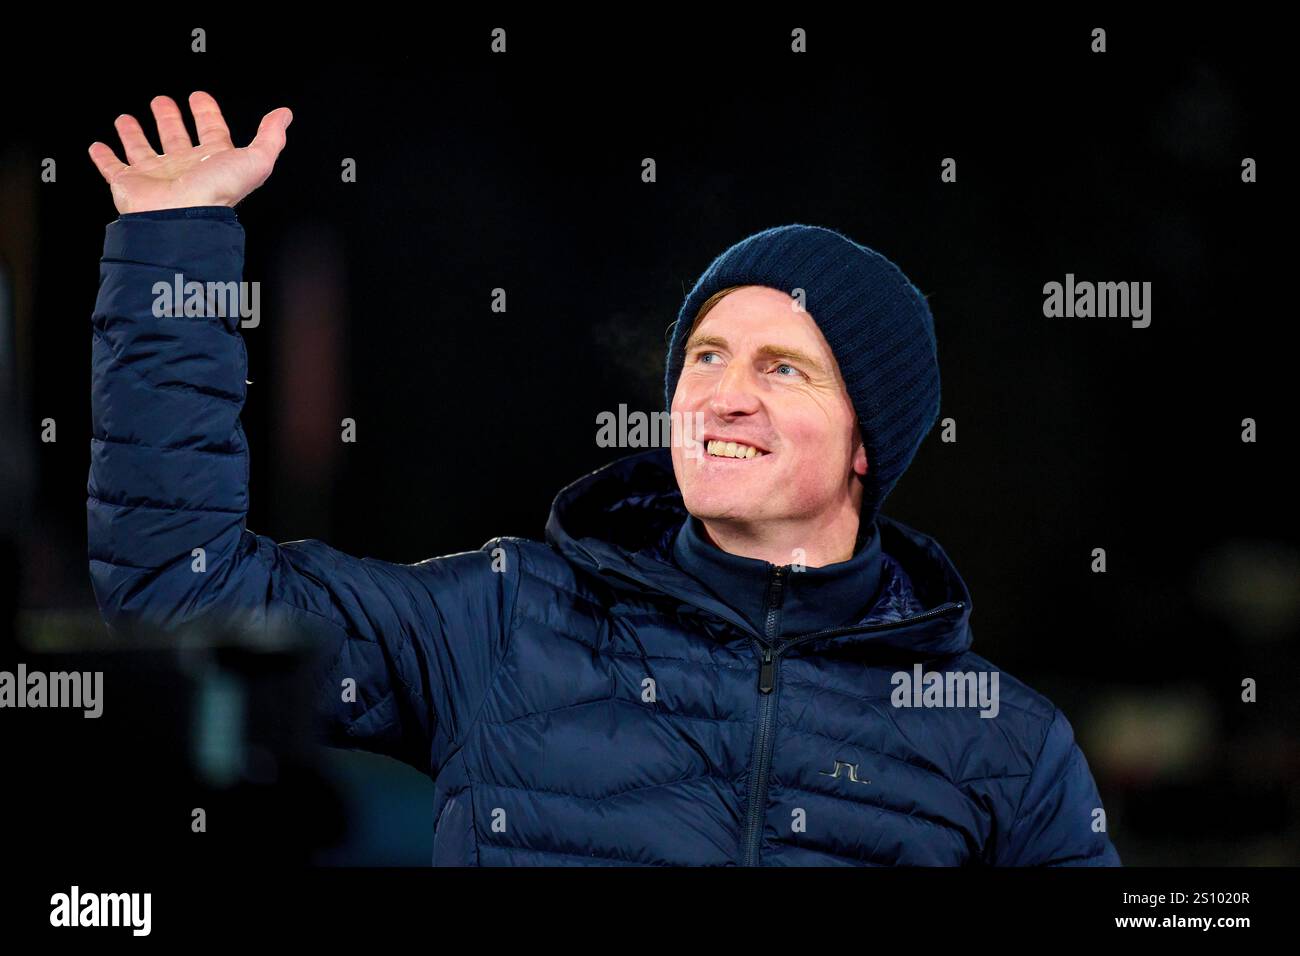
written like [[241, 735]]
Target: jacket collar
[[621, 521], [791, 601]]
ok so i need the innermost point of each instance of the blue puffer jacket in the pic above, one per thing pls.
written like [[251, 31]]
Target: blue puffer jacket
[[578, 701]]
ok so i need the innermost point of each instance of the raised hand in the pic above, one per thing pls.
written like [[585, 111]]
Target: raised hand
[[213, 173]]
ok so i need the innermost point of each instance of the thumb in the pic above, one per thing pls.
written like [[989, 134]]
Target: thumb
[[270, 138]]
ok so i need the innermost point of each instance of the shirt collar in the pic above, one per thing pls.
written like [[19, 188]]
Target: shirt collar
[[813, 599]]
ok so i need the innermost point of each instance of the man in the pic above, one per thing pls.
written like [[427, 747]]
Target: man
[[728, 659]]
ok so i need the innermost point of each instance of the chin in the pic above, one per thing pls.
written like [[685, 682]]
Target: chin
[[720, 507]]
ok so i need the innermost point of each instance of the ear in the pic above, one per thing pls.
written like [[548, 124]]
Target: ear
[[860, 463]]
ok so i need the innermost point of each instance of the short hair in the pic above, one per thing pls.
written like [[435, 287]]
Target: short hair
[[709, 303]]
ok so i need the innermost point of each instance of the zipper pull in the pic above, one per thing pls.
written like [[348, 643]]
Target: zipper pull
[[765, 674]]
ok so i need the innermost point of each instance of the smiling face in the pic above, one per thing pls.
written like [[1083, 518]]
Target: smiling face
[[761, 374]]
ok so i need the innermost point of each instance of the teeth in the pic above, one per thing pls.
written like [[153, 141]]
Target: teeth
[[731, 449]]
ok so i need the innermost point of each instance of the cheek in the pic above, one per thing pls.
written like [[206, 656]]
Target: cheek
[[818, 465], [682, 467], [691, 389]]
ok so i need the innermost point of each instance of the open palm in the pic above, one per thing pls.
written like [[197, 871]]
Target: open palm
[[213, 173]]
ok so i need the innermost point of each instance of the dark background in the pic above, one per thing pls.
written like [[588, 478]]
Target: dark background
[[523, 171]]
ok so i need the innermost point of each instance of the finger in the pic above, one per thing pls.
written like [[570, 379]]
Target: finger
[[171, 125], [105, 161], [209, 122], [133, 141], [270, 136]]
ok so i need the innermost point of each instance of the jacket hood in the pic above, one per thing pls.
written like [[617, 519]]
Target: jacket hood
[[619, 521]]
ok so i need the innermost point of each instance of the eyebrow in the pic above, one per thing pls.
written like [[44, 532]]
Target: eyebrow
[[767, 351]]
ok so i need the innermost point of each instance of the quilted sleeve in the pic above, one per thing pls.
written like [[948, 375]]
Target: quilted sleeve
[[408, 651], [1060, 816]]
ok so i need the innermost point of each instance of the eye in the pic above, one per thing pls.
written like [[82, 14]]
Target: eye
[[703, 355], [781, 365]]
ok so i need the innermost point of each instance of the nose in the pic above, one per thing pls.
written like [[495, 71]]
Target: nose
[[736, 392]]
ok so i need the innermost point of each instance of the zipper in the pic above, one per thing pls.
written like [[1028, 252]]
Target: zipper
[[774, 601], [763, 748], [766, 708], [765, 673]]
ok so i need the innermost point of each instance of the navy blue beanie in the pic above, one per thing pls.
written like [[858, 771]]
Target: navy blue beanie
[[876, 322]]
